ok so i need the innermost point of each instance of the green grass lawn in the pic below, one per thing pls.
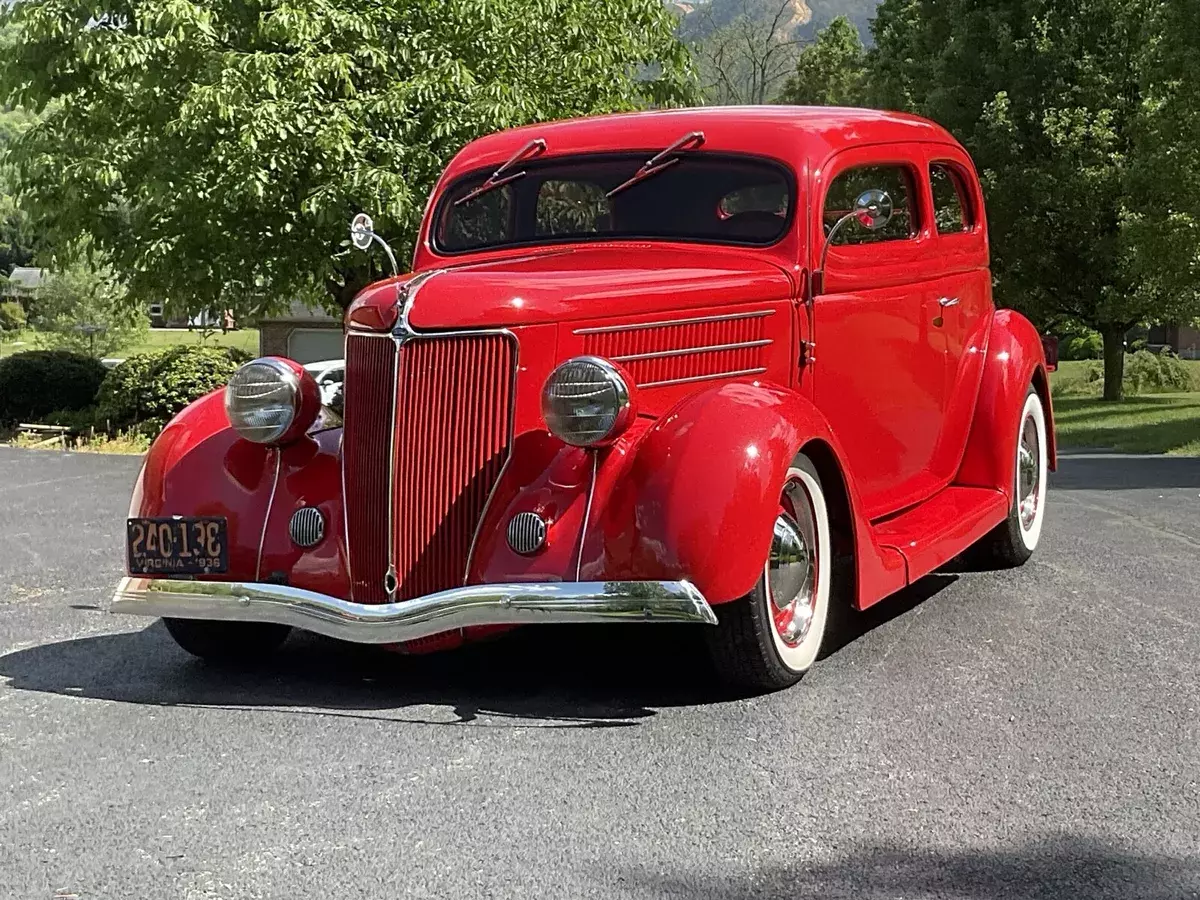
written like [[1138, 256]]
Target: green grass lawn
[[158, 338], [1152, 423], [1147, 423]]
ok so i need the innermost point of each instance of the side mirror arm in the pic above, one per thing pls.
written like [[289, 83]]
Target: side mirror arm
[[818, 277]]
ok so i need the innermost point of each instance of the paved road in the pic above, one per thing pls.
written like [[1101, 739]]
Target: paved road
[[1011, 736]]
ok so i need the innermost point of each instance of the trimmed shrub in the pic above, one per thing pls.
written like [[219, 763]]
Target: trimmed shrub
[[1149, 373], [156, 386], [12, 316], [41, 381]]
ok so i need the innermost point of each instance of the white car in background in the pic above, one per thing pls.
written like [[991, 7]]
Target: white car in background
[[329, 375]]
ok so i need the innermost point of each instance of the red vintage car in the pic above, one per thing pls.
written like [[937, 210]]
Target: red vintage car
[[735, 367]]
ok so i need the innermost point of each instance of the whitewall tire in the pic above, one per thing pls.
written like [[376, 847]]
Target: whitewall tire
[[1013, 541], [768, 639]]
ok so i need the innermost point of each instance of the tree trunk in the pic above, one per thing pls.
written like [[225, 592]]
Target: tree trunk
[[1114, 361]]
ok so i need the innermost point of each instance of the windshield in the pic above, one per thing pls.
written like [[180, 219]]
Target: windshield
[[707, 197]]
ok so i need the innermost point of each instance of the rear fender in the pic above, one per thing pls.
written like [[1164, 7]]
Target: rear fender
[[1015, 359]]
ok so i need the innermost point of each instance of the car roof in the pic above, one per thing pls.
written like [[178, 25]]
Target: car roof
[[790, 133]]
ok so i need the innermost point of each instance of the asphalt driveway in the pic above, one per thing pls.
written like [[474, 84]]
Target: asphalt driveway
[[988, 736]]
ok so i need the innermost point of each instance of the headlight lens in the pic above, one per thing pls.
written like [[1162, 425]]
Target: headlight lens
[[587, 402], [262, 400]]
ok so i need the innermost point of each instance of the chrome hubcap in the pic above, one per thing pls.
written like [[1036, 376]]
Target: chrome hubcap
[[1029, 474], [792, 567]]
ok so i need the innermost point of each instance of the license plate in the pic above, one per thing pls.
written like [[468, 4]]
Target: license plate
[[177, 546]]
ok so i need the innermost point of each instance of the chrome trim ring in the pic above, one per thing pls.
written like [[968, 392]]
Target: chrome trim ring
[[307, 527], [526, 533], [622, 417], [287, 376], [1029, 473], [791, 572]]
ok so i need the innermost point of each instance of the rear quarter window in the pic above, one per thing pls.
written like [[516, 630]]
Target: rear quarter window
[[953, 212]]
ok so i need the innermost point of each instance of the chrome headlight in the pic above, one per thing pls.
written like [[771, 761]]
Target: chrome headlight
[[271, 399], [587, 402]]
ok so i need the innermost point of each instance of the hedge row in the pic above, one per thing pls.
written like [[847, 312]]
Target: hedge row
[[75, 388]]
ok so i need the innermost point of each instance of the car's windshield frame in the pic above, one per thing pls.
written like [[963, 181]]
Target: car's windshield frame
[[635, 158]]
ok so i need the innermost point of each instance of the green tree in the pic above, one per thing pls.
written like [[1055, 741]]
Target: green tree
[[85, 308], [1165, 217], [16, 234], [1055, 101], [216, 151], [832, 71]]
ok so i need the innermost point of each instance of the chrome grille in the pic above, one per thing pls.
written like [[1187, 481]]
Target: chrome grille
[[453, 432]]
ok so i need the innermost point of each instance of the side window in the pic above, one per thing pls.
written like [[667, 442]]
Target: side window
[[897, 180], [571, 207], [951, 207]]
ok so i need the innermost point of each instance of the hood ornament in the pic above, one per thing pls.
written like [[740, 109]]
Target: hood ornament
[[362, 235]]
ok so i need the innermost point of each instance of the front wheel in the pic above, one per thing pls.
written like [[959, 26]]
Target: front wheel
[[768, 639], [1013, 541], [227, 642]]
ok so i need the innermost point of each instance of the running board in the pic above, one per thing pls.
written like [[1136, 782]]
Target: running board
[[934, 532]]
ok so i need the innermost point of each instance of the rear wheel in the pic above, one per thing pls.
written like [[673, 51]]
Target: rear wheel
[[227, 642], [768, 639], [1013, 541]]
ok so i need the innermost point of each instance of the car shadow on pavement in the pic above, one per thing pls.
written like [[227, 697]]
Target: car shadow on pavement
[[548, 676], [1050, 867]]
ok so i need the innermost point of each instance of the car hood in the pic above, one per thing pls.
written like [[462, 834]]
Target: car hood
[[584, 283]]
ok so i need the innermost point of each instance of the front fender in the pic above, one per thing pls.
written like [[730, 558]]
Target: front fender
[[692, 496], [1015, 359], [200, 466], [697, 499]]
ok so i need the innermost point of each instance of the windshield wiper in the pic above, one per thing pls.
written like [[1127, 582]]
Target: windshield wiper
[[536, 147], [660, 161]]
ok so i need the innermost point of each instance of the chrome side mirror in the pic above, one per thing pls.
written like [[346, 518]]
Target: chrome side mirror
[[362, 231], [872, 210], [362, 235]]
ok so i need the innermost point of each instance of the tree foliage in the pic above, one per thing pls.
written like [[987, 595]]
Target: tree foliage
[[832, 71], [1062, 106], [83, 296], [17, 242], [216, 151]]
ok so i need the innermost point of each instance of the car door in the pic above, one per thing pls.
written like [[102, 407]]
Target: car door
[[964, 294], [879, 376]]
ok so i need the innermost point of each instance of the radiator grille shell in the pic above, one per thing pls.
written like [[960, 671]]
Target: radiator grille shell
[[441, 455]]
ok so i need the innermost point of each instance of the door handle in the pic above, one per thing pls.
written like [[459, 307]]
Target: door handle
[[947, 302]]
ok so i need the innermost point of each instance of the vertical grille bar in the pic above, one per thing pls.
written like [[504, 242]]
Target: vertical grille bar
[[370, 375]]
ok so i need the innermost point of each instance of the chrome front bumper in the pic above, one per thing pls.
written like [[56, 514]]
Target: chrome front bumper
[[485, 604]]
